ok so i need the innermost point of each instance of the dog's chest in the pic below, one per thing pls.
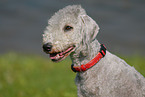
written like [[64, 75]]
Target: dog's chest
[[87, 87]]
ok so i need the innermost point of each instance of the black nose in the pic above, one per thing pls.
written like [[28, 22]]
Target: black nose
[[47, 47]]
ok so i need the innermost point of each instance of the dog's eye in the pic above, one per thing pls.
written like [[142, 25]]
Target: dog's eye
[[68, 28]]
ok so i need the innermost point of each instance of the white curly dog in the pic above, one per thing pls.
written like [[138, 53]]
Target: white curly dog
[[72, 32]]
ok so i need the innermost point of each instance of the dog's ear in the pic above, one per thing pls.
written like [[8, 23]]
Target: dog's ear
[[90, 26]]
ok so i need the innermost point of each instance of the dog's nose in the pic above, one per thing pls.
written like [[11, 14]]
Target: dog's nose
[[47, 47]]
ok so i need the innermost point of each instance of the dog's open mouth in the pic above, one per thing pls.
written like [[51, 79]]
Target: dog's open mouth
[[58, 56]]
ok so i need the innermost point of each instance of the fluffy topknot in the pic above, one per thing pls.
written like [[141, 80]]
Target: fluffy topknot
[[75, 10]]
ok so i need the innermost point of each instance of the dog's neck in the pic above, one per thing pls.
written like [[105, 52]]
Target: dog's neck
[[85, 55]]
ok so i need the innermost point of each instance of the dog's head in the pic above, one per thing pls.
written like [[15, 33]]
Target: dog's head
[[68, 29]]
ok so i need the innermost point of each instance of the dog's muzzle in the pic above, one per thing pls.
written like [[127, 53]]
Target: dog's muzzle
[[57, 56]]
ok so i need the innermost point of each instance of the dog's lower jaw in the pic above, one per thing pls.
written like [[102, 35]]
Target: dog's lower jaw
[[59, 56]]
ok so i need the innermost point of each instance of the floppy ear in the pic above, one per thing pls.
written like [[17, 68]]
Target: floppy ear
[[90, 28]]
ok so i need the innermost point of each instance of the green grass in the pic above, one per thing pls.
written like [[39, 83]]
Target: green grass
[[35, 76]]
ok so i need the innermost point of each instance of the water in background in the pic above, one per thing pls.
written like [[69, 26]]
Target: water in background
[[122, 23]]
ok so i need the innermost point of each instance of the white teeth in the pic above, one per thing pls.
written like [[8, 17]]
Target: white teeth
[[62, 54], [57, 56]]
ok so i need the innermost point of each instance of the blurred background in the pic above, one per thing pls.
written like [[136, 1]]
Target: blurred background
[[30, 74], [122, 23]]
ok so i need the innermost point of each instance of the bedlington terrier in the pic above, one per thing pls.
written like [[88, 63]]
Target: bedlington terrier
[[71, 31]]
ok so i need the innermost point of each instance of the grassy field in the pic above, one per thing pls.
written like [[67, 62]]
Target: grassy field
[[35, 76]]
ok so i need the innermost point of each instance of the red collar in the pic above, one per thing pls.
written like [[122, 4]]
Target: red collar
[[90, 64]]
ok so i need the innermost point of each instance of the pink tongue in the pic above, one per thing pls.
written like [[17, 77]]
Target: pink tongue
[[56, 57], [60, 55], [52, 57]]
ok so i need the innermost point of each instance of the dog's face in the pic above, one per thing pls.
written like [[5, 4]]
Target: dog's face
[[65, 32]]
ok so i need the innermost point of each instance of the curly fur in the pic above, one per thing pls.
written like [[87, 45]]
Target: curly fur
[[111, 76]]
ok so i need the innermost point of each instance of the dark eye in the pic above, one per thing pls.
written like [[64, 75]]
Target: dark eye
[[68, 28]]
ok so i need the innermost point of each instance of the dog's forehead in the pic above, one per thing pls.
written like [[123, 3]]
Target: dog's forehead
[[61, 19], [68, 14]]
